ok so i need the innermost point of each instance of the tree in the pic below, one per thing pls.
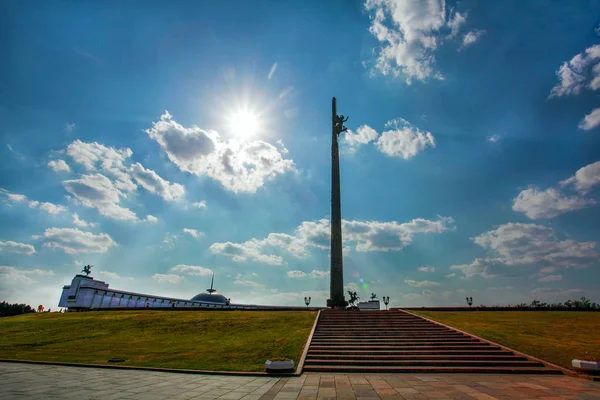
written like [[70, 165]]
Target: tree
[[9, 310]]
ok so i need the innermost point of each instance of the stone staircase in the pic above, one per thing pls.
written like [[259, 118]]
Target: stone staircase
[[395, 341]]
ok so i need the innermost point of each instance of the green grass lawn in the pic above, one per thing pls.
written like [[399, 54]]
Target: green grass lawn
[[554, 336], [209, 340]]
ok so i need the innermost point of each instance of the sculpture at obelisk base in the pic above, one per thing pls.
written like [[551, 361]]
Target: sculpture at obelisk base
[[336, 276]]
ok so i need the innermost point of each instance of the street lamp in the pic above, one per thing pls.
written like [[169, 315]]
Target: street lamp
[[386, 300], [470, 301], [307, 301]]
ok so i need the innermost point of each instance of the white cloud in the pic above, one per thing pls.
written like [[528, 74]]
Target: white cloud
[[15, 247], [153, 183], [414, 283], [272, 71], [527, 246], [81, 223], [52, 208], [296, 274], [97, 157], [550, 278], [97, 191], [549, 203], [314, 274], [471, 37], [151, 219], [200, 204], [366, 236], [239, 167], [59, 166], [318, 274], [73, 241], [591, 120], [452, 275], [573, 74], [410, 32], [193, 233], [245, 282], [404, 140], [194, 270], [364, 134], [170, 279], [425, 268], [585, 178], [15, 277], [112, 275]]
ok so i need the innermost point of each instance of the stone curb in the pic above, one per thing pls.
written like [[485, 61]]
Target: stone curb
[[546, 363], [133, 368], [306, 346]]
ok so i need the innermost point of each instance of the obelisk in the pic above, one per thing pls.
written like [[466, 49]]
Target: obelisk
[[336, 276]]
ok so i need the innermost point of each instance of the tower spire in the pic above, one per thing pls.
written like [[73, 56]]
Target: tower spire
[[211, 290]]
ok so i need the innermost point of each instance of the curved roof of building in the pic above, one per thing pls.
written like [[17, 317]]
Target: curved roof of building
[[213, 298]]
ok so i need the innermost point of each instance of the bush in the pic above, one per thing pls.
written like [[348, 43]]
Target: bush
[[8, 310]]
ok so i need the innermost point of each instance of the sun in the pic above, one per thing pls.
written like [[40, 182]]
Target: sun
[[244, 123]]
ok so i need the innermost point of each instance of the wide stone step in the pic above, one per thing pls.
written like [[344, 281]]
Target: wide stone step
[[394, 340], [429, 363], [403, 357], [403, 344], [482, 352], [431, 369], [383, 337], [371, 330], [476, 346]]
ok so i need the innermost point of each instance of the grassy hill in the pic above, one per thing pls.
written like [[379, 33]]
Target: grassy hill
[[554, 336], [209, 340]]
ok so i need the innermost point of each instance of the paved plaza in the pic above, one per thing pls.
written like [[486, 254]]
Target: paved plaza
[[31, 381]]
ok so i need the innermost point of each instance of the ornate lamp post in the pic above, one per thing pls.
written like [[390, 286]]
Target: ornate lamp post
[[386, 301], [470, 301], [307, 301]]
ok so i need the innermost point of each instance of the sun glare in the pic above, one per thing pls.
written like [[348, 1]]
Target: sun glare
[[244, 123]]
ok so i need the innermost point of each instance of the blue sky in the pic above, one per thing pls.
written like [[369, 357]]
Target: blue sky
[[162, 142]]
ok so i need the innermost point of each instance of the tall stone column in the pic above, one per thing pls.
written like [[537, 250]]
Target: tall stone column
[[336, 286]]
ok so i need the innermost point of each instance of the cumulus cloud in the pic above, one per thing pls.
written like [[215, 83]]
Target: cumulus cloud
[[410, 32], [97, 191], [471, 37], [50, 208], [171, 279], [364, 134], [404, 140], [414, 283], [296, 274], [73, 241], [585, 178], [425, 268], [365, 236], [591, 120], [549, 203], [81, 223], [59, 166], [151, 219], [238, 166], [97, 157], [15, 247], [572, 75], [200, 204], [193, 233], [153, 183], [526, 246], [313, 274], [194, 270]]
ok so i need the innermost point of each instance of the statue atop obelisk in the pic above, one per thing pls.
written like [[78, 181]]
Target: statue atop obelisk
[[336, 286]]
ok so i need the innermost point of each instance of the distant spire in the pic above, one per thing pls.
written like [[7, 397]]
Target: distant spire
[[211, 290]]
